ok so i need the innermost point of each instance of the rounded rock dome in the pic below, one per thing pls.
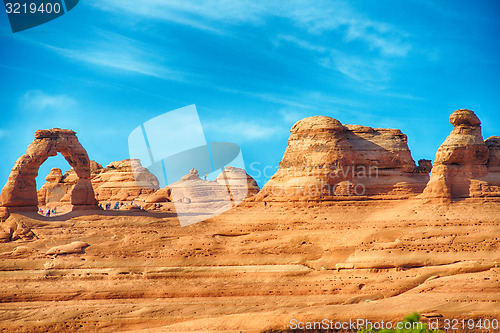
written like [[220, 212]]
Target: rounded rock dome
[[317, 123], [464, 117]]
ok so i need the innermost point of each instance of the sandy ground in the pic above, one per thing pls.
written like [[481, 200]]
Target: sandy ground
[[253, 268]]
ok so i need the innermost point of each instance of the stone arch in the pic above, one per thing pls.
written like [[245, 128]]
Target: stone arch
[[19, 194]]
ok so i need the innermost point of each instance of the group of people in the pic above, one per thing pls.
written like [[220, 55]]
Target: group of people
[[48, 212], [108, 205], [117, 205], [52, 212]]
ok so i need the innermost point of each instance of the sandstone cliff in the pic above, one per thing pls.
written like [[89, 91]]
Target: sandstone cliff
[[465, 165], [326, 160]]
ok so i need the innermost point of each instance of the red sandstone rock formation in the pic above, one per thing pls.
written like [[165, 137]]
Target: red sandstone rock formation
[[238, 181], [116, 182], [124, 181], [326, 160], [54, 176], [57, 190], [492, 179], [465, 165], [19, 194], [54, 189], [162, 195], [232, 184]]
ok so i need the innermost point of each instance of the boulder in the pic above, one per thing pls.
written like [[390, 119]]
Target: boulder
[[156, 198], [424, 166], [162, 195], [4, 213], [192, 175], [54, 176], [72, 248], [325, 160], [465, 165]]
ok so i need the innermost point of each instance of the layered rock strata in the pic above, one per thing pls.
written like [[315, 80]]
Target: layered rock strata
[[124, 181], [120, 181], [232, 184], [326, 160], [465, 165]]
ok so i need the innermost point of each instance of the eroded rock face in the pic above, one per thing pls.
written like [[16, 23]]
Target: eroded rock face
[[19, 194], [116, 182], [465, 165], [326, 160], [232, 184], [238, 181], [493, 144], [58, 190]]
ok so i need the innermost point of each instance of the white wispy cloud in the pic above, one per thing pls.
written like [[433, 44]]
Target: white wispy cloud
[[379, 36], [291, 116], [316, 18], [361, 69], [300, 42], [116, 52], [197, 14], [37, 100], [310, 28], [300, 102], [238, 131]]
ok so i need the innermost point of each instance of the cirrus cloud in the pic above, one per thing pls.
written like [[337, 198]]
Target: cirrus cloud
[[38, 100]]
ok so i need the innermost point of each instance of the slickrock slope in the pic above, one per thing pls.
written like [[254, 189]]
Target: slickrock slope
[[326, 160], [253, 268], [465, 165]]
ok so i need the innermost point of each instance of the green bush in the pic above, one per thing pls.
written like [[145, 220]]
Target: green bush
[[409, 320]]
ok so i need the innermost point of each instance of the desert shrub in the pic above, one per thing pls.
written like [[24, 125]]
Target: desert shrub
[[409, 321]]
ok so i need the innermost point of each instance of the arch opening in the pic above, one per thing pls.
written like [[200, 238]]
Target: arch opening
[[53, 187]]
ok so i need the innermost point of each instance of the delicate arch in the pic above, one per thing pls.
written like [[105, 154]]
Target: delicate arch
[[19, 194]]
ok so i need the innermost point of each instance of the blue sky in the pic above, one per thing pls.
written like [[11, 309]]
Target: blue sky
[[252, 68]]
